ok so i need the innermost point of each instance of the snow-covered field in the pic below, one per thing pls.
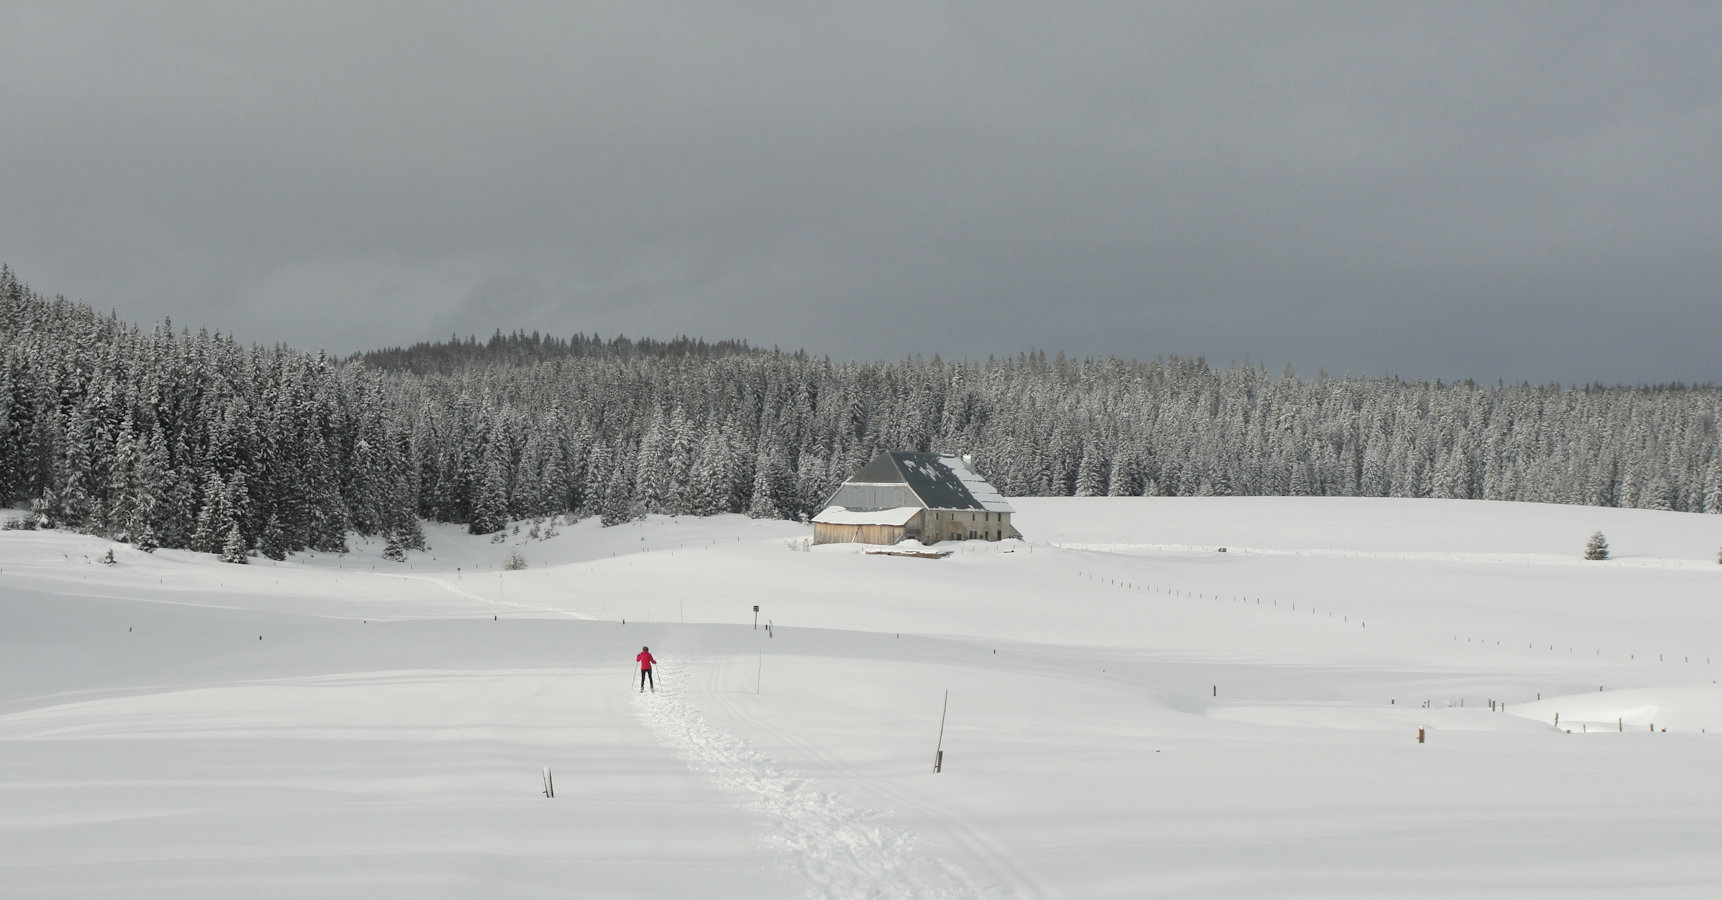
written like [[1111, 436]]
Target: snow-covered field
[[1131, 711]]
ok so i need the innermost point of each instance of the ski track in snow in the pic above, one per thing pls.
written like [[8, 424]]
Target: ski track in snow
[[493, 601], [1448, 556], [841, 850]]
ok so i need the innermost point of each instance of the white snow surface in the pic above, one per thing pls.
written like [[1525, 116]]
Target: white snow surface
[[1131, 712], [842, 515]]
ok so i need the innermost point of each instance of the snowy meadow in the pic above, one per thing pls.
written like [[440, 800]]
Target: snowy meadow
[[1178, 697]]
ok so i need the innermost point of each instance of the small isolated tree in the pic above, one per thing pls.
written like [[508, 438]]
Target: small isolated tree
[[1596, 547], [393, 549], [109, 560], [40, 515], [514, 562]]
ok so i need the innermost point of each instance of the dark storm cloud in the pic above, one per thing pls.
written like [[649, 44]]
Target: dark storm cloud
[[1447, 190]]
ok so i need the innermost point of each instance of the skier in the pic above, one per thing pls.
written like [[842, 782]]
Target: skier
[[645, 660]]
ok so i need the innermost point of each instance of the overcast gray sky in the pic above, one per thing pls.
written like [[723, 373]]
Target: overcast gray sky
[[1488, 190]]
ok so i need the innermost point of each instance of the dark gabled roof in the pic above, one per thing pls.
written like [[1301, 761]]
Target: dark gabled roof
[[933, 481], [883, 470], [933, 478]]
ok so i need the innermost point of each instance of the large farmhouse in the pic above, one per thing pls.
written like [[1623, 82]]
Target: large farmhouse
[[924, 496]]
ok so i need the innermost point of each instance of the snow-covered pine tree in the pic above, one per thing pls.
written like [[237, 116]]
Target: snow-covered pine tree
[[681, 459], [75, 472], [490, 514], [234, 549], [652, 472], [214, 516], [617, 505], [1090, 474], [1596, 547], [708, 485], [773, 493], [1124, 480], [272, 543], [122, 492], [143, 536]]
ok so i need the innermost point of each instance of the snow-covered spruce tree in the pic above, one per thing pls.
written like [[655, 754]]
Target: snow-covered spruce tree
[[617, 505], [408, 533], [273, 542], [773, 495], [214, 517], [514, 561], [491, 512], [143, 538], [1596, 547], [233, 550], [1090, 477]]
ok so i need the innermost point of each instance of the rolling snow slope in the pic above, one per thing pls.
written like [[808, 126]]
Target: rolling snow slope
[[1132, 713]]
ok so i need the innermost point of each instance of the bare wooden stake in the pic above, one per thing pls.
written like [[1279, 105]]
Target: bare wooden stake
[[939, 753]]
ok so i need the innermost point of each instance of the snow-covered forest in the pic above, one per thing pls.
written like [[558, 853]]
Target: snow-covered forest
[[190, 440]]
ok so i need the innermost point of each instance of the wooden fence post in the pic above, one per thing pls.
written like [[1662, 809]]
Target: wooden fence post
[[939, 754]]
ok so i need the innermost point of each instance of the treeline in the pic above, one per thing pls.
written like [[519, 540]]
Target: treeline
[[190, 440], [517, 349]]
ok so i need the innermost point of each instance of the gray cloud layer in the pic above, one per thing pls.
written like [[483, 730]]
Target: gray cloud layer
[[1519, 191]]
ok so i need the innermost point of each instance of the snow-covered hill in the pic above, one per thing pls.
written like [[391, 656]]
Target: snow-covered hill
[[1131, 711]]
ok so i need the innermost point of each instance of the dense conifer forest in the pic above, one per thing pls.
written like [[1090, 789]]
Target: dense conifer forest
[[187, 439]]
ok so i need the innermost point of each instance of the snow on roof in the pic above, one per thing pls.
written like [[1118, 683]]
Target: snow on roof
[[987, 495], [838, 515], [946, 482], [936, 481]]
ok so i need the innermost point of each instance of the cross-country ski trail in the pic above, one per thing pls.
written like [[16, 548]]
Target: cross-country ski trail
[[843, 852]]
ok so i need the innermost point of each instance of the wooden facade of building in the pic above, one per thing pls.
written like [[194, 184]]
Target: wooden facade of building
[[838, 525]]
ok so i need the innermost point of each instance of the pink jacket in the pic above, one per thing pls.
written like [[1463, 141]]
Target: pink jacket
[[645, 660]]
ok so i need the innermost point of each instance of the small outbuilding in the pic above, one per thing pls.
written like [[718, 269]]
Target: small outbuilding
[[926, 496]]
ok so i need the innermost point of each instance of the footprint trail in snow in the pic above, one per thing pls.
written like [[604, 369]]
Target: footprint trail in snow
[[843, 851]]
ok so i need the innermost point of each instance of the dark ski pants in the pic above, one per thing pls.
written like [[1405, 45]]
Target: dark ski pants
[[645, 677]]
